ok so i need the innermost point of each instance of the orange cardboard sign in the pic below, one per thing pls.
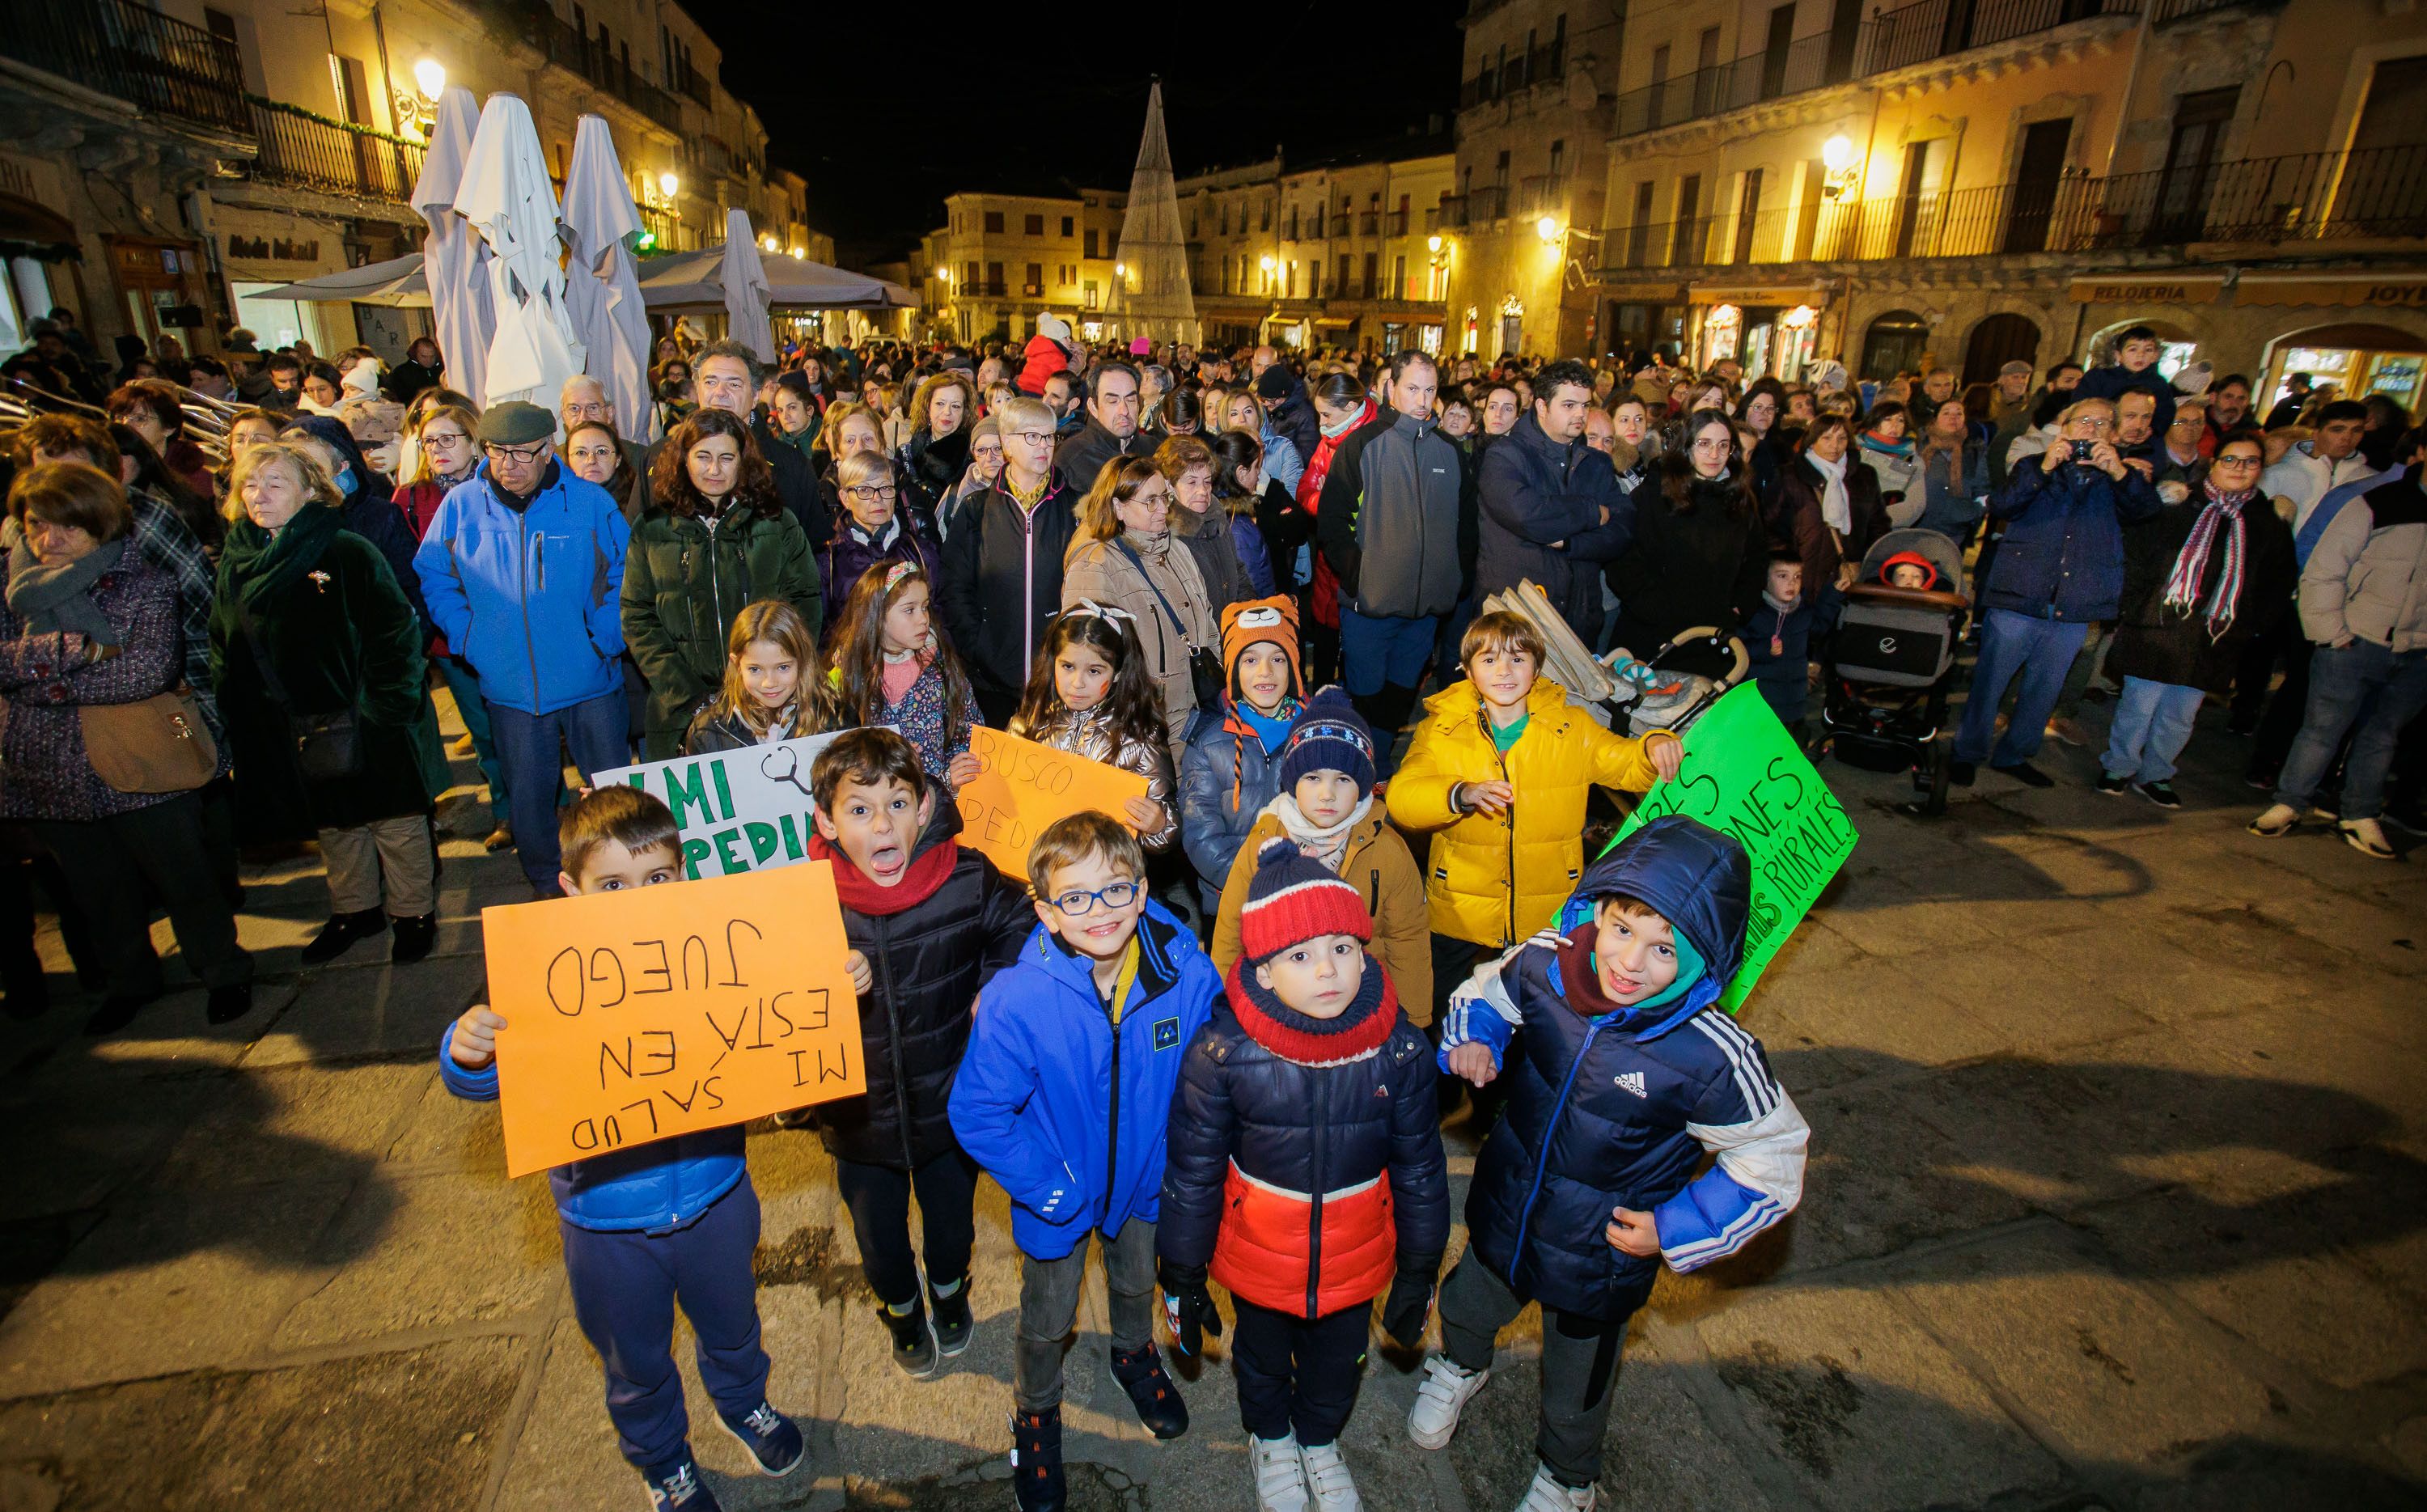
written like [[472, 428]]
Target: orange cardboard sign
[[637, 1016], [1023, 787]]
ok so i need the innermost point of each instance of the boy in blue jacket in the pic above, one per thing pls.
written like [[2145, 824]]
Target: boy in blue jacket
[[1064, 1097], [651, 1224], [1626, 1073]]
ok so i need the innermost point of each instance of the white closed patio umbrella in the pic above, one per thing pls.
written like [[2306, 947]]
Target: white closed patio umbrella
[[452, 253], [746, 296], [601, 287], [507, 195]]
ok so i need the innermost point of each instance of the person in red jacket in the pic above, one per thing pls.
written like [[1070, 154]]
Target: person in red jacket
[[1304, 1174]]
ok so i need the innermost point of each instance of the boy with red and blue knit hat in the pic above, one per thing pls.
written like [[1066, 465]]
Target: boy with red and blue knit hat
[[1304, 1174]]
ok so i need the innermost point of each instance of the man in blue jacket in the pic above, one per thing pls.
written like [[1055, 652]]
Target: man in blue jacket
[[1550, 509], [523, 570], [2059, 569], [1625, 1073]]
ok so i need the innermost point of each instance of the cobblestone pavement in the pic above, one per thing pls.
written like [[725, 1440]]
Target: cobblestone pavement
[[2116, 1201]]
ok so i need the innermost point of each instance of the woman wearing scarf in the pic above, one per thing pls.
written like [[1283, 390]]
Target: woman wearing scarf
[[88, 622], [1953, 468], [2200, 582], [1341, 409], [1887, 449], [443, 454], [311, 627], [370, 510], [1830, 510]]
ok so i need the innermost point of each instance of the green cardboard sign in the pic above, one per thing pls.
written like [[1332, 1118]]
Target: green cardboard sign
[[1743, 773]]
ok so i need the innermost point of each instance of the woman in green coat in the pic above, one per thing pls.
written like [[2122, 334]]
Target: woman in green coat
[[716, 538], [313, 641]]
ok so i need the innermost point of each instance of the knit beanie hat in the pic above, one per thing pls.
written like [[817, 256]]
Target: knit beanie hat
[[1328, 735], [1261, 621], [1293, 899]]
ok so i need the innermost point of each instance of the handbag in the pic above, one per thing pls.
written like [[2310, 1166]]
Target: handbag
[[154, 745], [1204, 667], [327, 746]]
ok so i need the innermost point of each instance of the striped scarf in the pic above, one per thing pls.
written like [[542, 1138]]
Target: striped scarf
[[2191, 563]]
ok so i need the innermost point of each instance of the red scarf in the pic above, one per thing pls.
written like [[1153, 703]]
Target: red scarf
[[1325, 591], [1357, 1032], [862, 894]]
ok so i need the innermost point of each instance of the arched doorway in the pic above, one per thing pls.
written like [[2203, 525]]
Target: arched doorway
[[2359, 358], [1997, 341], [1892, 343]]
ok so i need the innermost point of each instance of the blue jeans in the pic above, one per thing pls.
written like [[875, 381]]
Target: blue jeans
[[465, 684], [530, 748], [1376, 650], [2153, 724], [2017, 646], [2362, 683], [624, 1284]]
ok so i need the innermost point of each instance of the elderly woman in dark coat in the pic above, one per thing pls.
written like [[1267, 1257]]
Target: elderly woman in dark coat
[[88, 624], [321, 675], [2202, 579]]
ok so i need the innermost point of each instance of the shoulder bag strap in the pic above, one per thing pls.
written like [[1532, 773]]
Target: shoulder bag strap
[[1178, 626]]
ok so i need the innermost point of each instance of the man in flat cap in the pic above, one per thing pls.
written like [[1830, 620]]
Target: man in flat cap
[[523, 566]]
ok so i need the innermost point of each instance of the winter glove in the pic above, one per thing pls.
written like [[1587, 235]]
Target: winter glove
[[1188, 1307], [1408, 1305]]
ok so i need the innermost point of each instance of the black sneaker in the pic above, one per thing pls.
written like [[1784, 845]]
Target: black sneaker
[[914, 1347], [953, 1322], [1037, 1480], [677, 1486], [2109, 784], [339, 933], [774, 1439], [2029, 775], [1961, 773], [414, 938], [2160, 794], [225, 1006], [1157, 1399]]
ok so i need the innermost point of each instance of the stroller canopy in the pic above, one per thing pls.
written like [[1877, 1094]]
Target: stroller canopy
[[1930, 545]]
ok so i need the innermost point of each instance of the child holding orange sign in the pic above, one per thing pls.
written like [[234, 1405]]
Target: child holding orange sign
[[650, 1225], [1090, 695]]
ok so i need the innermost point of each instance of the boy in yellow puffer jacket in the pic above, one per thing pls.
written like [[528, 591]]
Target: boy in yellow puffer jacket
[[1499, 769]]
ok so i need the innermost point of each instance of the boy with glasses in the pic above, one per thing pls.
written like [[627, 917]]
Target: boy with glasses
[[1064, 1097]]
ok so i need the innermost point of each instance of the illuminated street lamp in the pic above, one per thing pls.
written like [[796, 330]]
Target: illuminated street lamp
[[668, 185], [1547, 229], [1433, 243], [1844, 163], [416, 111]]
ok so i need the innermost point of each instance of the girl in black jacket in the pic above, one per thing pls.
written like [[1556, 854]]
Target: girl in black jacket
[[1305, 1172], [928, 923], [1699, 554]]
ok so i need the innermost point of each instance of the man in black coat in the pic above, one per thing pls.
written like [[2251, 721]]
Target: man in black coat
[[1111, 431], [1283, 396], [1550, 504]]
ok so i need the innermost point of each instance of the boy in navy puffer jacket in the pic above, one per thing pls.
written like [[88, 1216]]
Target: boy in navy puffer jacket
[[1064, 1097], [1625, 1074], [645, 1226], [1306, 1172]]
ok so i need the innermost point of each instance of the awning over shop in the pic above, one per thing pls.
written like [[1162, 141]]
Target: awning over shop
[[2396, 290], [396, 282], [30, 230], [2148, 289]]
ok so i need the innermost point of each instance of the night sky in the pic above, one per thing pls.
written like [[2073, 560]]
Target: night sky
[[886, 108]]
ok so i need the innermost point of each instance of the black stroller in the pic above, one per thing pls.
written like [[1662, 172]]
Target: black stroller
[[1892, 663]]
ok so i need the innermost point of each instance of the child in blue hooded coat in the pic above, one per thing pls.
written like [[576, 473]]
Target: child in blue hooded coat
[[1625, 1073]]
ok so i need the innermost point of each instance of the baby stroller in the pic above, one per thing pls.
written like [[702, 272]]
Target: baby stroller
[[1666, 690], [1891, 663]]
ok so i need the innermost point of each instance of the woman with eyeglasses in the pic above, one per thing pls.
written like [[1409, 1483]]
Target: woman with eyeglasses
[[2058, 570], [873, 528], [1700, 555], [718, 538], [2200, 582], [1126, 557]]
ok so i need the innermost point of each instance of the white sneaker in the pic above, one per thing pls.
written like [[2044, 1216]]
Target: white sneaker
[[1280, 1483], [1440, 1399], [2366, 837], [2279, 819], [1547, 1495], [1327, 1474]]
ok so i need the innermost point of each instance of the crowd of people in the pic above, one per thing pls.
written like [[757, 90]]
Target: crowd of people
[[1258, 583]]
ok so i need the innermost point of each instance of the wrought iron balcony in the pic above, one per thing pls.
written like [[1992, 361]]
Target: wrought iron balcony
[[132, 53], [303, 151], [594, 62]]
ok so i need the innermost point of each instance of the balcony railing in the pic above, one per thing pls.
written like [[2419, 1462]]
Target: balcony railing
[[693, 85], [133, 53], [1915, 33], [308, 151], [605, 70], [1544, 63], [1369, 223], [2374, 192], [1542, 194], [1394, 224]]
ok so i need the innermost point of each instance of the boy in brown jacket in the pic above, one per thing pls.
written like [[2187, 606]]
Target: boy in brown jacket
[[1326, 807]]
